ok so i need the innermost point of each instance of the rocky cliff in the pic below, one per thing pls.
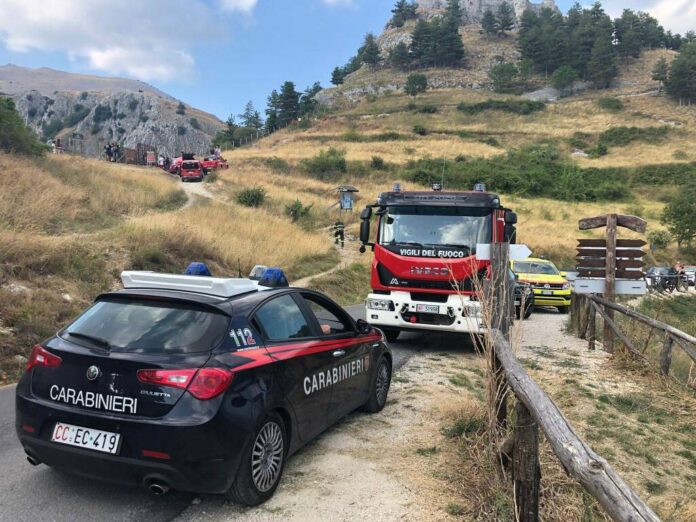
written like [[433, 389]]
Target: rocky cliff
[[106, 110], [473, 9]]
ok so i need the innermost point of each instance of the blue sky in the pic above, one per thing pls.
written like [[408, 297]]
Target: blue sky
[[216, 54]]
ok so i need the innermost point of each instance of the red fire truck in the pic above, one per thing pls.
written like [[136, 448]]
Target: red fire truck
[[425, 265]]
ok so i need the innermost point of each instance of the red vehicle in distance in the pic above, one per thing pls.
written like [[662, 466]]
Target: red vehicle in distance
[[191, 170], [211, 163]]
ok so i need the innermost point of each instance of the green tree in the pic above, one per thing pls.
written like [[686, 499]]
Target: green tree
[[308, 101], [402, 12], [399, 57], [288, 104], [563, 78], [181, 109], [416, 84], [251, 118], [454, 10], [15, 136], [338, 76], [489, 24], [230, 132], [681, 84], [504, 76], [602, 68], [422, 43], [370, 52], [505, 18], [680, 215], [272, 111], [660, 72], [450, 49]]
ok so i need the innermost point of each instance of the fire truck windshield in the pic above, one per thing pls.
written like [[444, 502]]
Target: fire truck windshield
[[426, 226]]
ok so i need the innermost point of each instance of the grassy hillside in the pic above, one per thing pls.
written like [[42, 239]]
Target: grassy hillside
[[69, 226]]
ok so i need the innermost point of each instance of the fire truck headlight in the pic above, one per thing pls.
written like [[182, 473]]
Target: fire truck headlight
[[566, 286], [380, 304]]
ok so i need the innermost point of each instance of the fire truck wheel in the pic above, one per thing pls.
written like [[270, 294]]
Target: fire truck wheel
[[564, 309], [391, 334]]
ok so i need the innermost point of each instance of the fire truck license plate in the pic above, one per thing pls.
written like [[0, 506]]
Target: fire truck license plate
[[428, 309]]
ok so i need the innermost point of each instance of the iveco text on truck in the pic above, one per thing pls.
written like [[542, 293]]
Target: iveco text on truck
[[425, 266]]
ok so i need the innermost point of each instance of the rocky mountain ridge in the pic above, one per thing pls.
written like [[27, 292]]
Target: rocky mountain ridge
[[473, 10], [129, 112]]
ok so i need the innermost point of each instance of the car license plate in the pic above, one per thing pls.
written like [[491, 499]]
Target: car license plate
[[428, 309], [87, 438], [547, 292]]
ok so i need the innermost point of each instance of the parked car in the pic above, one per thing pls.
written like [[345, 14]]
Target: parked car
[[211, 163], [524, 300], [690, 271], [191, 171], [549, 285], [197, 383]]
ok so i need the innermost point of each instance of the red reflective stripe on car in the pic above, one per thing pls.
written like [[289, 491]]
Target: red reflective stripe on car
[[284, 352]]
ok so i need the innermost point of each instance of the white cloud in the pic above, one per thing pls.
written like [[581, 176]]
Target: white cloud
[[675, 15], [238, 5], [150, 40], [338, 2]]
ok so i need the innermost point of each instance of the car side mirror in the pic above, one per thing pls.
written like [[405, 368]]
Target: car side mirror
[[365, 231], [363, 326], [564, 274], [510, 218], [366, 213]]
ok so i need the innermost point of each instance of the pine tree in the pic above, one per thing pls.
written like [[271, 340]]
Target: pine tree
[[450, 49], [338, 76], [272, 111], [399, 56], [681, 84], [602, 68], [489, 24], [402, 12], [230, 129], [288, 104], [505, 18], [308, 102], [421, 43], [251, 118], [370, 52], [660, 72], [454, 11]]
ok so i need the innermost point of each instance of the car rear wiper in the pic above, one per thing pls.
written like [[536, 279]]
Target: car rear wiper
[[96, 340]]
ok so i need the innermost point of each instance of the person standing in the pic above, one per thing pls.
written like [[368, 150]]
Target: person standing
[[339, 233]]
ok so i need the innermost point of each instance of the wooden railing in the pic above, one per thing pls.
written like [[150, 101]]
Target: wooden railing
[[535, 410], [583, 320]]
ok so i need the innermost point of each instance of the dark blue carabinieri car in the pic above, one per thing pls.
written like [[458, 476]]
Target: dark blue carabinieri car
[[196, 383]]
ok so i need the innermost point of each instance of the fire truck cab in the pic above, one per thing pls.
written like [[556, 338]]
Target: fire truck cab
[[425, 272]]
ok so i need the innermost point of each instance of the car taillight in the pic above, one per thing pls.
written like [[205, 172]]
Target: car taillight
[[203, 384], [41, 357]]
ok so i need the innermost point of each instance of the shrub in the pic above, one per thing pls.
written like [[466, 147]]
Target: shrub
[[426, 109], [327, 164], [83, 95], [371, 98], [659, 239], [251, 197], [580, 140], [96, 130], [143, 118], [181, 109], [101, 113], [52, 128], [277, 164], [296, 210], [181, 130], [31, 112], [523, 107], [212, 176], [15, 136], [600, 150], [78, 114], [195, 124], [535, 171], [622, 136], [680, 155], [378, 163], [133, 104], [611, 104], [420, 130]]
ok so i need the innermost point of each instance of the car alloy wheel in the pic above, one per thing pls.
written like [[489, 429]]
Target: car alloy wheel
[[267, 456], [382, 383]]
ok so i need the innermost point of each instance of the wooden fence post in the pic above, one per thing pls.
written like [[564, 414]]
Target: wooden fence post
[[609, 288], [525, 465], [502, 300], [591, 326], [666, 355]]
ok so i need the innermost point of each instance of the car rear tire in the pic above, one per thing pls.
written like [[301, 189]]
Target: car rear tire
[[262, 464], [390, 334], [564, 309], [380, 387]]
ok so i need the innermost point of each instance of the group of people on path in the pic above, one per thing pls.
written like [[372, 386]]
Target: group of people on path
[[112, 152]]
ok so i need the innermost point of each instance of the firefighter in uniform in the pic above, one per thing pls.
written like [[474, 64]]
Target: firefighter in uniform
[[339, 232]]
